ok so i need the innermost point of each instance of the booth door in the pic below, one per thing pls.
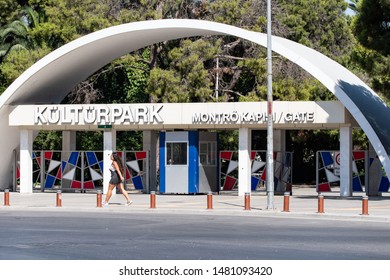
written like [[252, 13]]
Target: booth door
[[176, 167]]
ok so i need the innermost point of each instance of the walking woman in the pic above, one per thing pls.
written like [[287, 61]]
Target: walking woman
[[117, 179]]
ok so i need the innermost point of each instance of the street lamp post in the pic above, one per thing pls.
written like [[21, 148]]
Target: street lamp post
[[270, 138]]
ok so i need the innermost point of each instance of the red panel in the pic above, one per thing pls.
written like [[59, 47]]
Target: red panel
[[17, 173], [229, 183], [38, 161], [76, 185], [48, 155], [89, 185], [253, 154], [359, 155], [226, 155], [59, 173], [325, 187], [264, 175], [140, 155], [128, 175]]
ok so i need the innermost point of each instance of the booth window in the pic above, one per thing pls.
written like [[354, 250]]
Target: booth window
[[208, 153], [176, 153]]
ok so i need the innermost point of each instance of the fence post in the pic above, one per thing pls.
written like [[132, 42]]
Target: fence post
[[59, 198], [286, 202], [247, 201]]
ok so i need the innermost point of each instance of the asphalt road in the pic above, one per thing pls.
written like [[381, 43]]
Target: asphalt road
[[111, 236]]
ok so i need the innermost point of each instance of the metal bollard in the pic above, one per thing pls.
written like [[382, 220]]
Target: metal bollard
[[209, 200], [152, 199], [365, 205], [286, 202], [59, 199], [320, 203], [6, 197], [99, 199], [247, 201]]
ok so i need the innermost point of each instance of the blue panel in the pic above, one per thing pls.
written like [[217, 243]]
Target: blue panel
[[49, 182], [91, 158], [254, 183], [276, 181], [356, 184], [327, 158], [162, 162], [193, 162], [63, 165], [137, 181], [101, 166], [384, 186], [74, 156]]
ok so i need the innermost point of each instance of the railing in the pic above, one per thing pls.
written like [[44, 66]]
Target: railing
[[328, 172], [228, 170], [83, 170]]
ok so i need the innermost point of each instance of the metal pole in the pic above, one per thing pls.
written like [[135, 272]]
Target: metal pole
[[320, 203], [209, 200], [365, 205], [99, 199], [217, 80], [286, 202], [153, 199], [6, 197], [270, 137], [247, 201], [58, 199]]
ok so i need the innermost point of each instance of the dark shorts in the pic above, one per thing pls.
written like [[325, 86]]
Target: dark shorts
[[115, 180]]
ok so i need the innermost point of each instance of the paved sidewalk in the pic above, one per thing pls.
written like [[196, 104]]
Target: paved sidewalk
[[303, 203]]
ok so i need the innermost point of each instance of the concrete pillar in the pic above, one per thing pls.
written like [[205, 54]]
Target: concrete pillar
[[109, 146], [68, 140], [345, 161], [374, 173], [244, 162], [149, 141], [26, 166], [68, 145]]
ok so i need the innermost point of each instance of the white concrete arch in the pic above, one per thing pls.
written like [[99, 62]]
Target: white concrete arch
[[51, 78]]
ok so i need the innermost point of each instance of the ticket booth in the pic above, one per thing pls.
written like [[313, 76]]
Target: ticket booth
[[188, 162]]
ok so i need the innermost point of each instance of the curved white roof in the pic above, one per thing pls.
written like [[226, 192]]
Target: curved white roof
[[50, 79]]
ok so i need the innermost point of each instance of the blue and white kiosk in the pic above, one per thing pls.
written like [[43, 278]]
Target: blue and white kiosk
[[188, 162]]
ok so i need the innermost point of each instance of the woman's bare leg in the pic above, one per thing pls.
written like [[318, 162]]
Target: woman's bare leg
[[109, 193], [124, 192]]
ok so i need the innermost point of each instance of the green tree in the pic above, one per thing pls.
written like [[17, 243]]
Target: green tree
[[321, 25], [372, 25], [16, 35]]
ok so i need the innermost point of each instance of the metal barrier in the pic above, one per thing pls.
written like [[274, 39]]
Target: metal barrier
[[82, 170], [228, 170]]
